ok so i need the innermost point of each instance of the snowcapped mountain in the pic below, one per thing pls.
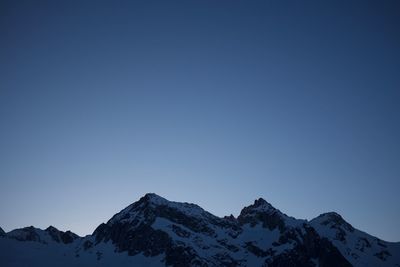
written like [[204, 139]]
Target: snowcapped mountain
[[359, 248], [156, 232], [48, 236]]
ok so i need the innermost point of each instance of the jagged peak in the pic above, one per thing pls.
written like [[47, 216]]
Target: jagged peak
[[230, 218], [259, 205], [262, 203], [153, 202], [71, 233], [263, 211], [51, 228], [154, 199]]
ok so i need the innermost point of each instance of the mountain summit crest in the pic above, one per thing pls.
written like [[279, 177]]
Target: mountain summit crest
[[154, 231]]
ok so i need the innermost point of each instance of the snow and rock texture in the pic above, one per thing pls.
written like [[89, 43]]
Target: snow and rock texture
[[50, 235], [156, 232], [359, 248]]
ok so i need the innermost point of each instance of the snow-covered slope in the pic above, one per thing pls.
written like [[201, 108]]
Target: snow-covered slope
[[359, 248], [35, 254], [156, 232]]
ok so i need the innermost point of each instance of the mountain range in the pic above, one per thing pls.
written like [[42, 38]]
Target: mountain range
[[154, 231]]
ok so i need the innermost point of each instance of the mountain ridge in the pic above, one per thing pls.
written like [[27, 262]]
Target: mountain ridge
[[167, 233]]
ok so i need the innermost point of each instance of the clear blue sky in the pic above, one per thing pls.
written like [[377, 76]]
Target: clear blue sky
[[212, 102]]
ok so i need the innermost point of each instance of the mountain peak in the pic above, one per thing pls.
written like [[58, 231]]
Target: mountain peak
[[333, 219], [154, 199], [152, 195], [259, 205], [51, 228], [262, 203], [156, 232], [263, 212], [152, 205], [331, 216]]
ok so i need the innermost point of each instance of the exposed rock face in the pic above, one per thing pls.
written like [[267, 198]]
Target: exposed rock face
[[142, 238], [262, 211], [51, 234], [138, 229], [2, 233], [189, 236], [167, 233], [26, 234], [302, 245], [60, 236], [335, 221], [358, 247], [309, 249]]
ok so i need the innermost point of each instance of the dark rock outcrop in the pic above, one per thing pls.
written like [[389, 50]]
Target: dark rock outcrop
[[262, 211], [308, 250], [304, 247], [26, 234], [183, 234], [60, 236], [51, 234], [133, 230], [2, 233]]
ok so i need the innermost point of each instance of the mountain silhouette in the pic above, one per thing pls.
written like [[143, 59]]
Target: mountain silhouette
[[154, 231]]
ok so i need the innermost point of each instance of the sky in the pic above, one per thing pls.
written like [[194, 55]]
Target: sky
[[211, 102]]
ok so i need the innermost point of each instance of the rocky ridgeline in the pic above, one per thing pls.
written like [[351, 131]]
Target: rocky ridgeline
[[189, 227], [51, 234], [183, 234]]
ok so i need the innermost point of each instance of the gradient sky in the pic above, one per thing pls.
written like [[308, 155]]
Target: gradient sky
[[211, 102]]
